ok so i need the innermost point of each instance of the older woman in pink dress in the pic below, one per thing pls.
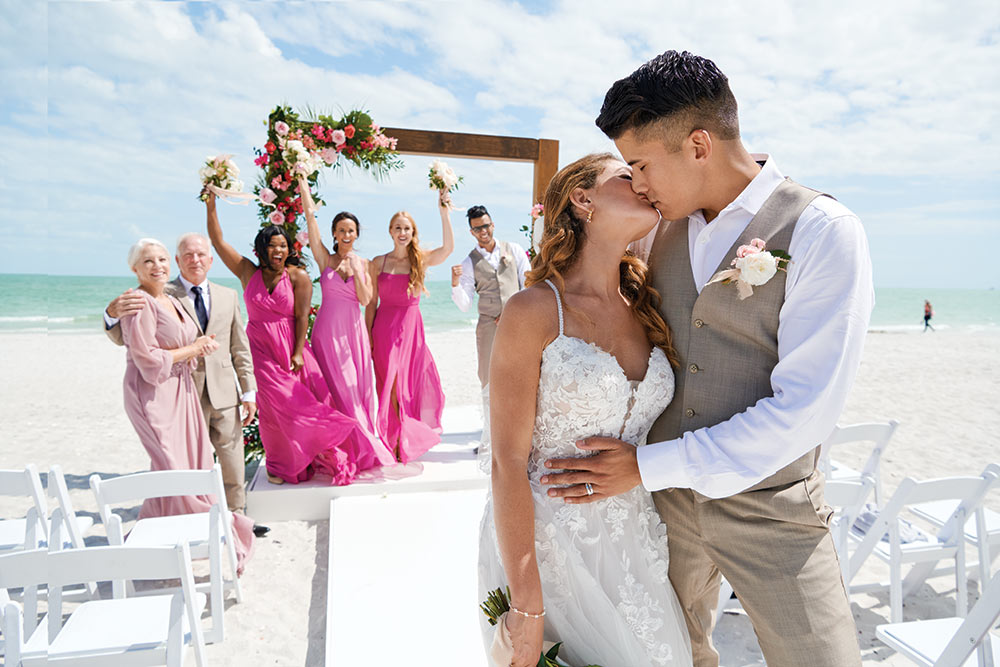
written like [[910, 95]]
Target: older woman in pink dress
[[161, 399], [301, 430], [409, 388]]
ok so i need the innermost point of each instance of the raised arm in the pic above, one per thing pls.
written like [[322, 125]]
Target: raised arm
[[241, 267], [303, 289], [440, 254], [319, 251], [514, 371]]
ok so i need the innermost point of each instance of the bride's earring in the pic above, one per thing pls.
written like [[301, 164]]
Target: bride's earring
[[590, 214]]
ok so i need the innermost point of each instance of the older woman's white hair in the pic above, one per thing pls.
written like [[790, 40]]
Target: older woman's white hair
[[135, 252]]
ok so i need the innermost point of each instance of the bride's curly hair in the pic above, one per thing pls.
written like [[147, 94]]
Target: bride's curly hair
[[563, 238]]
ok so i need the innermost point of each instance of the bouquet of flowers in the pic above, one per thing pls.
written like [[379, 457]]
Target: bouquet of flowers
[[222, 174], [300, 145], [442, 177], [496, 606], [534, 232]]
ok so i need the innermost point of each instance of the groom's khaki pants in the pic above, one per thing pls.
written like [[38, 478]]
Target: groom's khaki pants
[[775, 549], [486, 331]]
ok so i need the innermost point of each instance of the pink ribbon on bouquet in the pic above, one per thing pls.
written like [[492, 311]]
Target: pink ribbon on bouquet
[[234, 197]]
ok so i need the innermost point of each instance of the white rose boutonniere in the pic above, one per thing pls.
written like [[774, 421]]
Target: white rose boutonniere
[[752, 267]]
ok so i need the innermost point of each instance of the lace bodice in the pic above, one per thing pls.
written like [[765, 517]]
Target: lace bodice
[[583, 391]]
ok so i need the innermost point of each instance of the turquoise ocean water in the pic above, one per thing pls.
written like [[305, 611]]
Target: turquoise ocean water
[[74, 303]]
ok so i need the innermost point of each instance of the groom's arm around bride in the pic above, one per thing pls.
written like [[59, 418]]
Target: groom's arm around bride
[[763, 377]]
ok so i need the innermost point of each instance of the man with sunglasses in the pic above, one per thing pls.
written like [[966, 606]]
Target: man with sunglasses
[[495, 271]]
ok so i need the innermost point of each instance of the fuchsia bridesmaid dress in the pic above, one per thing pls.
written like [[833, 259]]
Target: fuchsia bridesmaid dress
[[301, 431], [163, 404], [340, 342], [403, 362]]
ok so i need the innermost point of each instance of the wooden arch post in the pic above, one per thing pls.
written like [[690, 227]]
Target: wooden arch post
[[543, 153]]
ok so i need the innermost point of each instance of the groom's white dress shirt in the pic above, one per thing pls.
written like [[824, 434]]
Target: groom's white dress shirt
[[828, 303]]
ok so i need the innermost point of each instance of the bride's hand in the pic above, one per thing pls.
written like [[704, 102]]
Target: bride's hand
[[526, 636]]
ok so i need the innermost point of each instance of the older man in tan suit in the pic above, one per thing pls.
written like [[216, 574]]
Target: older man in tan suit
[[216, 310], [765, 367]]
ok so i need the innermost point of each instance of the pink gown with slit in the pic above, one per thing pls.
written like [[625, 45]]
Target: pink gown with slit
[[301, 431], [403, 363], [162, 403], [340, 342]]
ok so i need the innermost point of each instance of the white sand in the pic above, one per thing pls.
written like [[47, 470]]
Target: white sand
[[61, 403]]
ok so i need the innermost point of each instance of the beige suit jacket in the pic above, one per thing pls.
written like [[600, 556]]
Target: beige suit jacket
[[215, 373]]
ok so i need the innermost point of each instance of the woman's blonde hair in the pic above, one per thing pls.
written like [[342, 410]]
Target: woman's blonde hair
[[563, 238], [418, 267]]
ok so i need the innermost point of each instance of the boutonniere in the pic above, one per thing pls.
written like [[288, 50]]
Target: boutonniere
[[753, 266]]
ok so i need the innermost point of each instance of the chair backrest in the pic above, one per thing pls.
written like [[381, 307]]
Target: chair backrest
[[27, 570], [56, 488], [974, 629], [156, 484], [847, 498], [79, 566], [877, 433], [27, 483], [969, 491]]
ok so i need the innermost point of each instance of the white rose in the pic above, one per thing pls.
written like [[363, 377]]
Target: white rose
[[206, 174], [758, 268]]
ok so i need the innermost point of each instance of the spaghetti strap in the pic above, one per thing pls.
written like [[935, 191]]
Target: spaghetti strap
[[558, 304], [382, 270]]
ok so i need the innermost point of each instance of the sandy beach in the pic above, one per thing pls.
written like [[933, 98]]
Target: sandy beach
[[62, 403]]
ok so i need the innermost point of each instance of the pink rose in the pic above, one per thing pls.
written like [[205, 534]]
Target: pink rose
[[329, 155], [281, 128], [276, 183], [745, 250], [276, 218], [267, 196], [302, 237], [338, 137], [757, 243]]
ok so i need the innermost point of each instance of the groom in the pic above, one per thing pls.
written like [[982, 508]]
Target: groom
[[761, 380]]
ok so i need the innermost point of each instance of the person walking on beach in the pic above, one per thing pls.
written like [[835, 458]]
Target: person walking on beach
[[163, 344], [928, 314], [215, 309], [767, 359], [495, 271], [410, 397]]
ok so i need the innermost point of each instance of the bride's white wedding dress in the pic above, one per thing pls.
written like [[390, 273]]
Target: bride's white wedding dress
[[603, 565]]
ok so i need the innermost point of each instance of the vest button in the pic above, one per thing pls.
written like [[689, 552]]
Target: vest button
[[694, 368], [689, 412], [699, 323]]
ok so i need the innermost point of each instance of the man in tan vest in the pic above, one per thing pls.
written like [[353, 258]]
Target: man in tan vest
[[216, 311], [495, 271], [763, 376]]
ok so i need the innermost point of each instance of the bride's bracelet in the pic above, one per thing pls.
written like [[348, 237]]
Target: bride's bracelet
[[524, 613]]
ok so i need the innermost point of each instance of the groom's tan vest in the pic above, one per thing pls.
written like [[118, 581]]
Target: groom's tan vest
[[494, 286], [727, 348]]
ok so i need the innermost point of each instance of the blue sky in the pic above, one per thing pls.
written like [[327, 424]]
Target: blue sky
[[109, 107]]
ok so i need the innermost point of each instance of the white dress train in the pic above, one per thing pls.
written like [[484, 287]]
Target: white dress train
[[603, 566]]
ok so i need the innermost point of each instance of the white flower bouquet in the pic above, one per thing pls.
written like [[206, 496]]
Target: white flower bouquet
[[220, 172], [442, 177]]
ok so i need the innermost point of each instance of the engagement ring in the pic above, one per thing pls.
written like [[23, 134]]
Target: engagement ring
[[590, 489]]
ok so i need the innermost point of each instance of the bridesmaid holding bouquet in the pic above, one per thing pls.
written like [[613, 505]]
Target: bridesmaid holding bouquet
[[409, 388], [301, 431], [339, 335]]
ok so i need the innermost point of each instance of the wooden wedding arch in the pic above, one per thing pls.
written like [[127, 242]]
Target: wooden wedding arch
[[543, 153]]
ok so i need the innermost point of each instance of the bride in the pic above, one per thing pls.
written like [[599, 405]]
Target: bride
[[582, 351]]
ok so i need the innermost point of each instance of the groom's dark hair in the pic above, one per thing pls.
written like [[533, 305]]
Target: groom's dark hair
[[671, 95]]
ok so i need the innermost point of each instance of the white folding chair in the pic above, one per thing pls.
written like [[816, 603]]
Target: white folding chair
[[985, 522], [923, 546], [207, 533], [878, 434], [950, 642], [32, 531], [847, 498], [152, 629], [24, 636], [75, 526]]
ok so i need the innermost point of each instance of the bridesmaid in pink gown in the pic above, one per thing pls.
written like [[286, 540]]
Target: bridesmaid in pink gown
[[301, 431], [409, 388], [161, 400], [339, 335]]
